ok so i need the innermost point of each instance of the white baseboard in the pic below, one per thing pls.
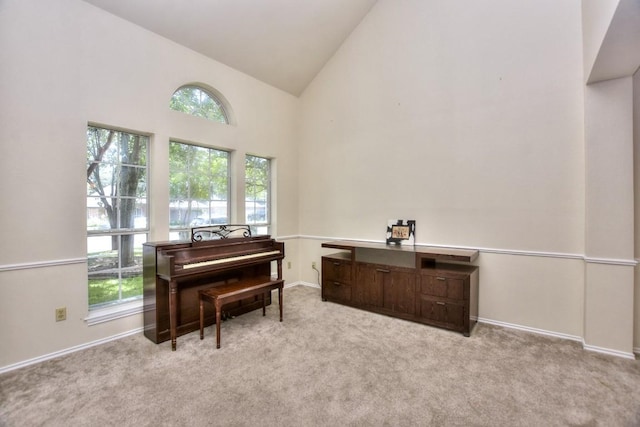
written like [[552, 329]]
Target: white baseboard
[[585, 346], [530, 329], [68, 350], [301, 283], [618, 353]]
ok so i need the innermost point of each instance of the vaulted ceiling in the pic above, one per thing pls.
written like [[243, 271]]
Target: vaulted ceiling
[[281, 42], [619, 55]]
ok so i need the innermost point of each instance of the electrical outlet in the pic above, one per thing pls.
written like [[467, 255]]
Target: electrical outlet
[[289, 265], [313, 265], [61, 314]]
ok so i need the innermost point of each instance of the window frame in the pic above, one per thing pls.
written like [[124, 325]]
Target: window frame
[[137, 233]]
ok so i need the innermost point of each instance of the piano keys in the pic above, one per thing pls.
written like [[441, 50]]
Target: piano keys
[[225, 260], [174, 272]]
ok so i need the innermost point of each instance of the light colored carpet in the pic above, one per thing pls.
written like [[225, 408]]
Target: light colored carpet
[[327, 365]]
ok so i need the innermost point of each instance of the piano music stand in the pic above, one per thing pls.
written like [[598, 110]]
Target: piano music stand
[[220, 231]]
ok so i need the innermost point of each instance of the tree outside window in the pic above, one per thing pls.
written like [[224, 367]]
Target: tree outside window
[[258, 193], [198, 102], [117, 214], [198, 188]]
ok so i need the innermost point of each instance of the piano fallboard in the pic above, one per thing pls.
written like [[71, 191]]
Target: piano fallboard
[[208, 258]]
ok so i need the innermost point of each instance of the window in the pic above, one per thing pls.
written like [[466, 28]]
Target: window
[[117, 215], [257, 198], [198, 187], [198, 102]]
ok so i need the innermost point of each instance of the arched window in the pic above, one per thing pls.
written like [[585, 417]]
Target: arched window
[[197, 101]]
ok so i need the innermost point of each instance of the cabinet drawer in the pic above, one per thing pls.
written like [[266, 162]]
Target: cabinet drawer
[[336, 270], [442, 286], [334, 290], [442, 312]]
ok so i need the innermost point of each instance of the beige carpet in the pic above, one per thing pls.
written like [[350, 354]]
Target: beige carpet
[[327, 365]]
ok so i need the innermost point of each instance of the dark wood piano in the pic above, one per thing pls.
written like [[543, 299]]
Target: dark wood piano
[[174, 272]]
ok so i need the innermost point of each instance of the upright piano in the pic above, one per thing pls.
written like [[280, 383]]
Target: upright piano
[[174, 272]]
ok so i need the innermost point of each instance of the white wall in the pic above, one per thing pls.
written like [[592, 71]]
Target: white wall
[[64, 64], [609, 214], [468, 118]]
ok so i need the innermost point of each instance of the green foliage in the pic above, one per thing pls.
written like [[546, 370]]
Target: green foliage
[[108, 290], [257, 180], [196, 174], [198, 102], [108, 283], [116, 172]]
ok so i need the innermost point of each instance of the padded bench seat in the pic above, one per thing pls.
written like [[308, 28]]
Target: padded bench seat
[[235, 291]]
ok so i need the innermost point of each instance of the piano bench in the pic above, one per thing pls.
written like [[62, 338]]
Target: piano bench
[[235, 291]]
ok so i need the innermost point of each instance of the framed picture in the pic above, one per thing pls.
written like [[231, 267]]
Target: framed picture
[[401, 231]]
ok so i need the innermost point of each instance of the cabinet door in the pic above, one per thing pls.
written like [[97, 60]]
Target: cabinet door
[[386, 287], [399, 291], [369, 285]]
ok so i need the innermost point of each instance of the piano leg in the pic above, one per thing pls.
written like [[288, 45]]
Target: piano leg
[[279, 264], [201, 318], [173, 295]]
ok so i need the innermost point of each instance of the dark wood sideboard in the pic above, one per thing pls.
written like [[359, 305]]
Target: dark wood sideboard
[[434, 286]]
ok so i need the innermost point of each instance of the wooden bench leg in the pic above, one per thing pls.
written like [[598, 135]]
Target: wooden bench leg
[[280, 300], [218, 306], [264, 306]]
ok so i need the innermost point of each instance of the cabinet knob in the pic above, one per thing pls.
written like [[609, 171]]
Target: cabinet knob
[[440, 303], [382, 270], [442, 278]]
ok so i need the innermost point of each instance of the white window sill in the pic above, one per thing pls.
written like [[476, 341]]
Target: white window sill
[[118, 311]]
